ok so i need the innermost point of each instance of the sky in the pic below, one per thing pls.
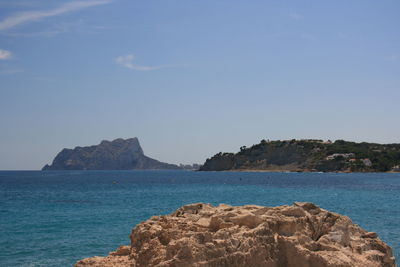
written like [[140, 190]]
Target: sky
[[193, 78]]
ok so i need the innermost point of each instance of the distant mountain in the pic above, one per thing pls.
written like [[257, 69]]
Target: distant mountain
[[120, 154], [309, 155]]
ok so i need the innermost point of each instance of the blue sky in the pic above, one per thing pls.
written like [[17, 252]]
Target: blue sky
[[193, 78]]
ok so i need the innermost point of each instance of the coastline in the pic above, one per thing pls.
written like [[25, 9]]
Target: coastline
[[293, 171]]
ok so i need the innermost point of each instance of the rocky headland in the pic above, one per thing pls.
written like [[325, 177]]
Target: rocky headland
[[309, 156], [301, 235], [119, 154]]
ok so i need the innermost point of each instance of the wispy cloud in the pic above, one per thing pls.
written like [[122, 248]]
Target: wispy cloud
[[5, 54], [5, 69], [127, 61], [78, 26], [31, 16], [8, 70]]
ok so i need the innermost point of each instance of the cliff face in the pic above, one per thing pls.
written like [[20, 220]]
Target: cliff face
[[120, 154], [301, 235], [309, 155]]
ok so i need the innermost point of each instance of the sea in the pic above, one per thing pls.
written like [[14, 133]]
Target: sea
[[55, 218]]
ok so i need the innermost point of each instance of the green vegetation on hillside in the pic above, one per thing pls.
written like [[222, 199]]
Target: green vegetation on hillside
[[309, 155]]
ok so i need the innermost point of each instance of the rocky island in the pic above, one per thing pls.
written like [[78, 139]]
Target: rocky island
[[309, 155], [120, 154], [301, 235]]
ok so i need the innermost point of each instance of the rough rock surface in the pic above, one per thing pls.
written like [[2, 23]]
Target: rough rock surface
[[120, 154], [302, 235]]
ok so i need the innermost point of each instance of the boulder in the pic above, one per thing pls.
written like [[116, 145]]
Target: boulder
[[301, 235]]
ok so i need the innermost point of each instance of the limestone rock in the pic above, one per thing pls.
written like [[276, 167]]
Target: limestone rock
[[119, 154], [302, 235]]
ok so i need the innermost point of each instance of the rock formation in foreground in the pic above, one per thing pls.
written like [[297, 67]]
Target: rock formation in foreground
[[120, 154], [302, 235]]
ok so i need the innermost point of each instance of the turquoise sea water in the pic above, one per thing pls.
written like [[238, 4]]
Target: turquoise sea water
[[56, 218]]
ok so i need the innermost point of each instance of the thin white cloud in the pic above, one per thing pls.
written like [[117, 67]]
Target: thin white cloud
[[78, 26], [5, 54], [127, 61], [8, 71], [31, 16]]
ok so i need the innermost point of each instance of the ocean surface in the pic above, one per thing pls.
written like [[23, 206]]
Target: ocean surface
[[55, 218]]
